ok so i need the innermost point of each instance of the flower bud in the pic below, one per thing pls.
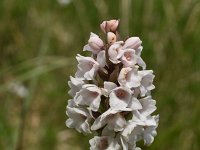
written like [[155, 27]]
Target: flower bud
[[132, 42], [95, 43], [103, 26], [111, 38], [111, 25]]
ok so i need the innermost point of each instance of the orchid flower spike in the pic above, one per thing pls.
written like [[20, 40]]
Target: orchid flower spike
[[111, 93]]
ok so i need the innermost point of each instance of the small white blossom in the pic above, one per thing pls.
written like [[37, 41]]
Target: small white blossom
[[120, 98], [129, 58], [104, 143], [87, 68], [128, 145], [146, 82], [89, 95], [75, 84], [150, 132], [148, 106], [115, 52], [78, 119], [129, 77]]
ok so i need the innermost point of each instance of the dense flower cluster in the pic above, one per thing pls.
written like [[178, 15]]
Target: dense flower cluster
[[111, 93]]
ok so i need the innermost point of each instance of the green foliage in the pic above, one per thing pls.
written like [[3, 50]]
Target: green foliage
[[38, 44]]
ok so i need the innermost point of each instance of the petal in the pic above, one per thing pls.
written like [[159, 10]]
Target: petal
[[148, 106], [119, 98], [101, 58], [134, 104]]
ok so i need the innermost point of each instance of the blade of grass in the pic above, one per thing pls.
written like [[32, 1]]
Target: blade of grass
[[28, 99]]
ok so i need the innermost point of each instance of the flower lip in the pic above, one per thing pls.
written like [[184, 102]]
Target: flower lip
[[120, 93], [103, 143]]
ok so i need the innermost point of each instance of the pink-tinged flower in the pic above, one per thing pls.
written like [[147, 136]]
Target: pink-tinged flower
[[148, 106], [89, 95], [79, 119], [146, 120], [129, 59], [133, 43], [115, 52], [108, 26], [146, 82], [104, 143], [129, 128], [150, 132], [129, 77], [75, 85], [120, 98], [95, 44], [112, 118], [111, 38], [87, 68]]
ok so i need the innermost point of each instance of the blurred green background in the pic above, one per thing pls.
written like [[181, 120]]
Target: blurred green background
[[38, 43]]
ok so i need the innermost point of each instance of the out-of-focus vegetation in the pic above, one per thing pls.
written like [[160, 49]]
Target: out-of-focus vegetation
[[38, 43]]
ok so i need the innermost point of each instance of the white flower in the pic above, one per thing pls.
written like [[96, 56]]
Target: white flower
[[75, 85], [115, 52], [114, 120], [120, 98], [104, 143], [146, 82], [150, 132], [148, 106], [128, 145], [132, 127], [87, 68], [78, 119], [95, 44], [89, 95], [146, 120], [136, 135], [130, 59], [129, 77]]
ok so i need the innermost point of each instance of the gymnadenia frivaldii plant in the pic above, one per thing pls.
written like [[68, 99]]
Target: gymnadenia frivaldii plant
[[111, 93]]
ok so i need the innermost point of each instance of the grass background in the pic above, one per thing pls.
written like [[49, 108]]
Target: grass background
[[38, 44]]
